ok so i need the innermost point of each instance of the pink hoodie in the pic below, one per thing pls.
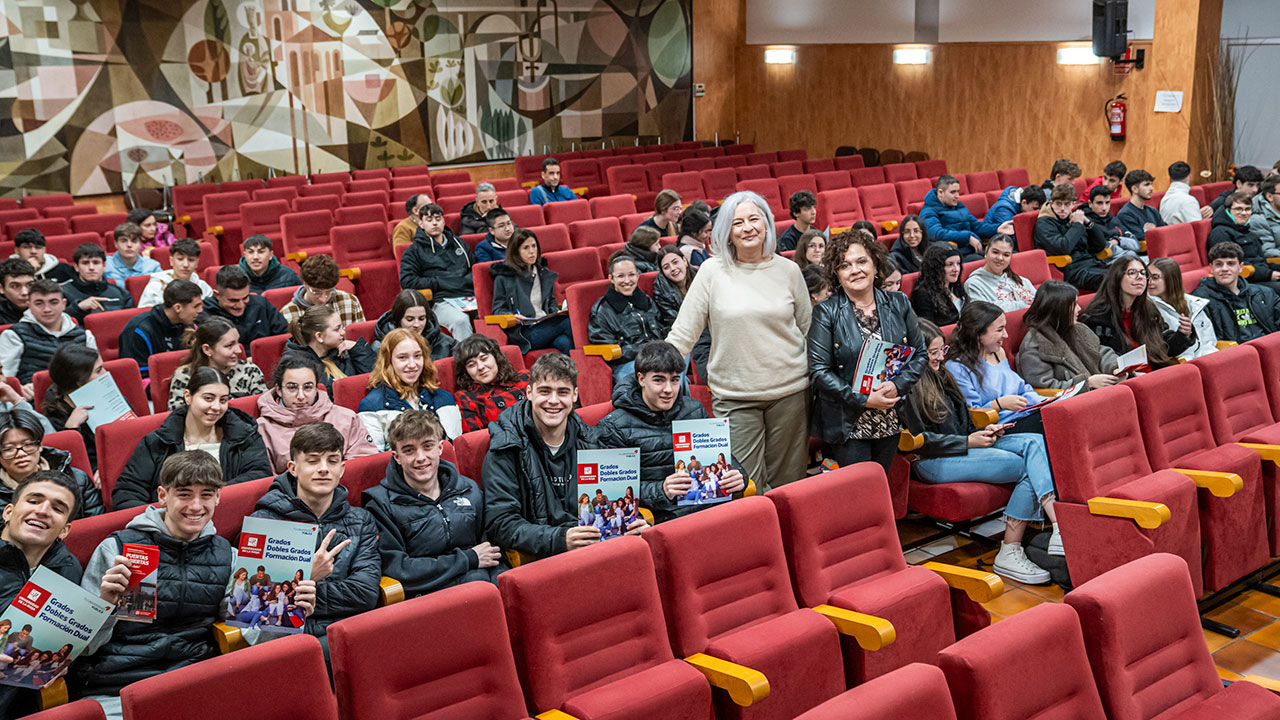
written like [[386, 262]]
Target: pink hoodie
[[277, 424]]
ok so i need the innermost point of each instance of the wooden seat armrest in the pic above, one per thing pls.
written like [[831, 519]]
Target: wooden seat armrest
[[529, 185], [978, 585], [871, 632], [503, 321], [1266, 452], [1142, 246], [608, 352], [1059, 261], [1104, 254], [908, 442], [424, 292], [351, 274], [555, 715], [228, 638], [1048, 392], [297, 257], [1149, 515], [390, 591], [744, 685], [1219, 484], [1225, 344], [54, 694], [1265, 682], [516, 558], [983, 417], [750, 490]]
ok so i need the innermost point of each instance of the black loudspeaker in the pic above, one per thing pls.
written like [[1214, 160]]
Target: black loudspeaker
[[1110, 28]]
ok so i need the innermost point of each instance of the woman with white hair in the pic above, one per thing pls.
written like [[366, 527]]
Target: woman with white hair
[[758, 303]]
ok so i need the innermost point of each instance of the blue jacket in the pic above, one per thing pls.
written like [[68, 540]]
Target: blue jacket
[[1005, 206], [540, 195], [486, 251], [953, 224], [384, 398], [118, 271]]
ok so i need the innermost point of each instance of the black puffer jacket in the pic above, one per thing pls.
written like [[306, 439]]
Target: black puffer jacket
[[60, 461], [633, 424], [530, 493], [1224, 228], [1252, 313], [443, 268], [352, 587], [834, 345], [242, 455], [441, 344], [625, 321], [511, 291], [427, 544], [1062, 237], [904, 259]]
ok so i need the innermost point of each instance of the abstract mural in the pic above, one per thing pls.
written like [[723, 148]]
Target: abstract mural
[[99, 96]]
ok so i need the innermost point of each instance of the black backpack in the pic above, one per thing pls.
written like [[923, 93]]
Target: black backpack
[[1038, 552]]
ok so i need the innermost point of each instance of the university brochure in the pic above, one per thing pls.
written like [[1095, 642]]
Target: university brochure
[[880, 361], [139, 602], [702, 450], [50, 622], [609, 490], [274, 555], [1069, 392], [104, 395], [1135, 359]]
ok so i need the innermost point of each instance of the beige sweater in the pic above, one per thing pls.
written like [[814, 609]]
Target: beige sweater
[[759, 318]]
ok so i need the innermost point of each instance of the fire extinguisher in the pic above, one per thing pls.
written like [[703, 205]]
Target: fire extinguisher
[[1115, 112]]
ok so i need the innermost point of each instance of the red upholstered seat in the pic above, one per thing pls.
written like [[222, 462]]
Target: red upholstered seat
[[187, 201], [87, 533], [1268, 347], [47, 227], [42, 202], [931, 169], [818, 165], [792, 155], [752, 172], [566, 212], [1177, 242], [97, 224], [594, 233], [315, 203], [79, 710], [687, 184], [911, 191], [293, 181], [265, 352], [592, 414], [106, 328], [789, 167], [1024, 231], [976, 203], [879, 202], [349, 391], [584, 172], [115, 442], [325, 178], [371, 174], [853, 560], [451, 178], [697, 164], [656, 171], [368, 197], [1032, 265], [735, 601], [762, 158], [899, 172], [365, 472], [839, 208], [867, 176], [627, 180], [914, 691], [609, 206], [70, 212], [161, 367], [306, 232], [832, 180], [573, 266], [328, 189], [361, 243], [1094, 459], [990, 680], [850, 162], [980, 182], [263, 218], [957, 502], [526, 215], [470, 448], [1017, 177], [626, 670], [369, 185], [552, 237], [719, 183], [789, 185], [202, 689], [731, 161], [766, 188]]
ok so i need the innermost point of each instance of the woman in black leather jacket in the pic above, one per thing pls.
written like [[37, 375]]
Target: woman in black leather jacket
[[859, 424]]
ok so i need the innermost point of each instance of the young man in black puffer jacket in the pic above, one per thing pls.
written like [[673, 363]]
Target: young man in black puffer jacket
[[438, 261]]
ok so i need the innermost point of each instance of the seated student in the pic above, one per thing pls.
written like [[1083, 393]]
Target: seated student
[[253, 315], [1178, 205], [346, 568], [184, 257], [438, 261], [1098, 219], [530, 472], [485, 382], [404, 378], [1058, 352], [258, 261], [1063, 172], [21, 454], [1111, 178], [666, 211], [205, 422], [194, 581], [493, 246], [815, 280], [29, 245], [938, 294], [804, 210], [294, 401], [1060, 230], [523, 286], [70, 368], [429, 516], [160, 328], [1014, 200], [28, 345], [1230, 224], [16, 277], [128, 260], [154, 233], [475, 214], [320, 287], [908, 250], [977, 362], [810, 248], [1239, 310], [645, 405], [318, 335], [892, 281], [997, 282], [1164, 287], [88, 292], [411, 310], [695, 236], [406, 228], [956, 451], [1265, 223], [1124, 317], [215, 343], [1137, 217], [642, 247], [36, 520], [1246, 178], [625, 316], [947, 219], [550, 190]]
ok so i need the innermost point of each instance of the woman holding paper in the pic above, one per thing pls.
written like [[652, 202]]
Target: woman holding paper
[[523, 286], [70, 368], [216, 343], [1058, 352], [977, 361], [859, 426], [1124, 317], [21, 454]]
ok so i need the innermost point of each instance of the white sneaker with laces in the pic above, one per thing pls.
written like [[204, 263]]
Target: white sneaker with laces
[[1055, 543], [1012, 562]]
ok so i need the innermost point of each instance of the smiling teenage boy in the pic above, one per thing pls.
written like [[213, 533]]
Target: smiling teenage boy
[[184, 259], [89, 292], [128, 260], [30, 245], [265, 271], [27, 346]]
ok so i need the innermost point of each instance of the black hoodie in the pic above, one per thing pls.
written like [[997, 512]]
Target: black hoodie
[[9, 313], [443, 268], [260, 319], [277, 275], [150, 333], [1250, 314], [472, 222], [904, 259], [441, 344], [1224, 228], [77, 291], [626, 321]]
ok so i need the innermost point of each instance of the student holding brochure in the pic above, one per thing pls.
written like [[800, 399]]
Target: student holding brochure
[[977, 361], [71, 367], [607, 481], [1123, 316]]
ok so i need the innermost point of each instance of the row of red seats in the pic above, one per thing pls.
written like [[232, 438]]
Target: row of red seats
[[529, 168]]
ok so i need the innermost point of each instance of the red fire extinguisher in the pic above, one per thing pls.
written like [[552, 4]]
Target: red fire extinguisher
[[1115, 114]]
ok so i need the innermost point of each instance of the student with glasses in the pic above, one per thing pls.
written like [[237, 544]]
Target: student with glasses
[[295, 400], [21, 455], [1124, 317], [1231, 224], [320, 287]]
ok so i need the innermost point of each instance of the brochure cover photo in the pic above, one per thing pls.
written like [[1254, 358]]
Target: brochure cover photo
[[702, 450], [880, 361], [139, 602], [609, 490], [48, 624], [274, 556]]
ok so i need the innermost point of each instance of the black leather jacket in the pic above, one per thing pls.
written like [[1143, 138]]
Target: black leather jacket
[[950, 436]]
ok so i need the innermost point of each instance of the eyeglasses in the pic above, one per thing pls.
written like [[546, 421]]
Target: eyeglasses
[[1136, 274], [9, 452], [1242, 211], [319, 293], [293, 388], [940, 352]]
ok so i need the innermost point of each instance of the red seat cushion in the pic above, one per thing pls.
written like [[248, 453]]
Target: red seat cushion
[[914, 691], [1241, 701], [674, 689], [918, 603]]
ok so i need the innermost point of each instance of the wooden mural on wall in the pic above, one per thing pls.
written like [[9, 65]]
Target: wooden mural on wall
[[105, 95]]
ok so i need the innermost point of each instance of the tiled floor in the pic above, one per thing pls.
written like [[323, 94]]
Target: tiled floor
[[1256, 614]]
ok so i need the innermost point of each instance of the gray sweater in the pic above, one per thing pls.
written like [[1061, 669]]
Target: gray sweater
[[1000, 290]]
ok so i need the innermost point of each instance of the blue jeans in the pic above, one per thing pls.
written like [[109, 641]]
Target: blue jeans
[[550, 334], [1020, 459]]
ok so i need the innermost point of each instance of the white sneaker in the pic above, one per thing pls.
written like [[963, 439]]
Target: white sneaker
[[1013, 563], [1055, 543]]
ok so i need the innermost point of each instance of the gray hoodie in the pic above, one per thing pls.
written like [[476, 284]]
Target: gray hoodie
[[1265, 225]]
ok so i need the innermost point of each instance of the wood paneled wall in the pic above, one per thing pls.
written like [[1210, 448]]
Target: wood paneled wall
[[719, 28]]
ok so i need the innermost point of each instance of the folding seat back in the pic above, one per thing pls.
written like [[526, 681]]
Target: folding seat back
[[607, 206], [355, 244], [161, 367], [719, 183], [369, 197], [529, 168], [819, 165], [593, 233], [980, 182], [1268, 347], [526, 215], [223, 209], [743, 149], [630, 222], [697, 164], [731, 161], [266, 351], [1024, 231], [797, 155], [42, 202], [70, 211], [552, 237], [482, 284], [106, 328], [899, 172], [187, 199], [453, 205], [766, 188], [1017, 177], [566, 212], [263, 218], [365, 472], [321, 190], [612, 161], [656, 172], [47, 227], [581, 297], [64, 247], [910, 191], [789, 185], [15, 216], [88, 532], [97, 224], [593, 414], [1014, 326], [573, 266], [1173, 414], [709, 152], [1213, 190], [839, 208], [1032, 265], [1197, 192], [850, 162], [504, 183], [324, 178], [403, 187], [588, 673], [452, 178], [316, 203], [780, 169], [1058, 687], [306, 231], [1235, 392], [914, 691], [1177, 242], [471, 447], [248, 185], [931, 169], [687, 184], [410, 171], [976, 204], [648, 157], [867, 176], [580, 173], [1201, 229], [371, 174], [462, 189], [288, 194], [349, 391], [762, 158], [73, 443], [879, 202], [360, 214], [752, 172], [115, 442], [369, 185], [293, 181], [1094, 458], [10, 204], [832, 180], [508, 199], [627, 179]]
